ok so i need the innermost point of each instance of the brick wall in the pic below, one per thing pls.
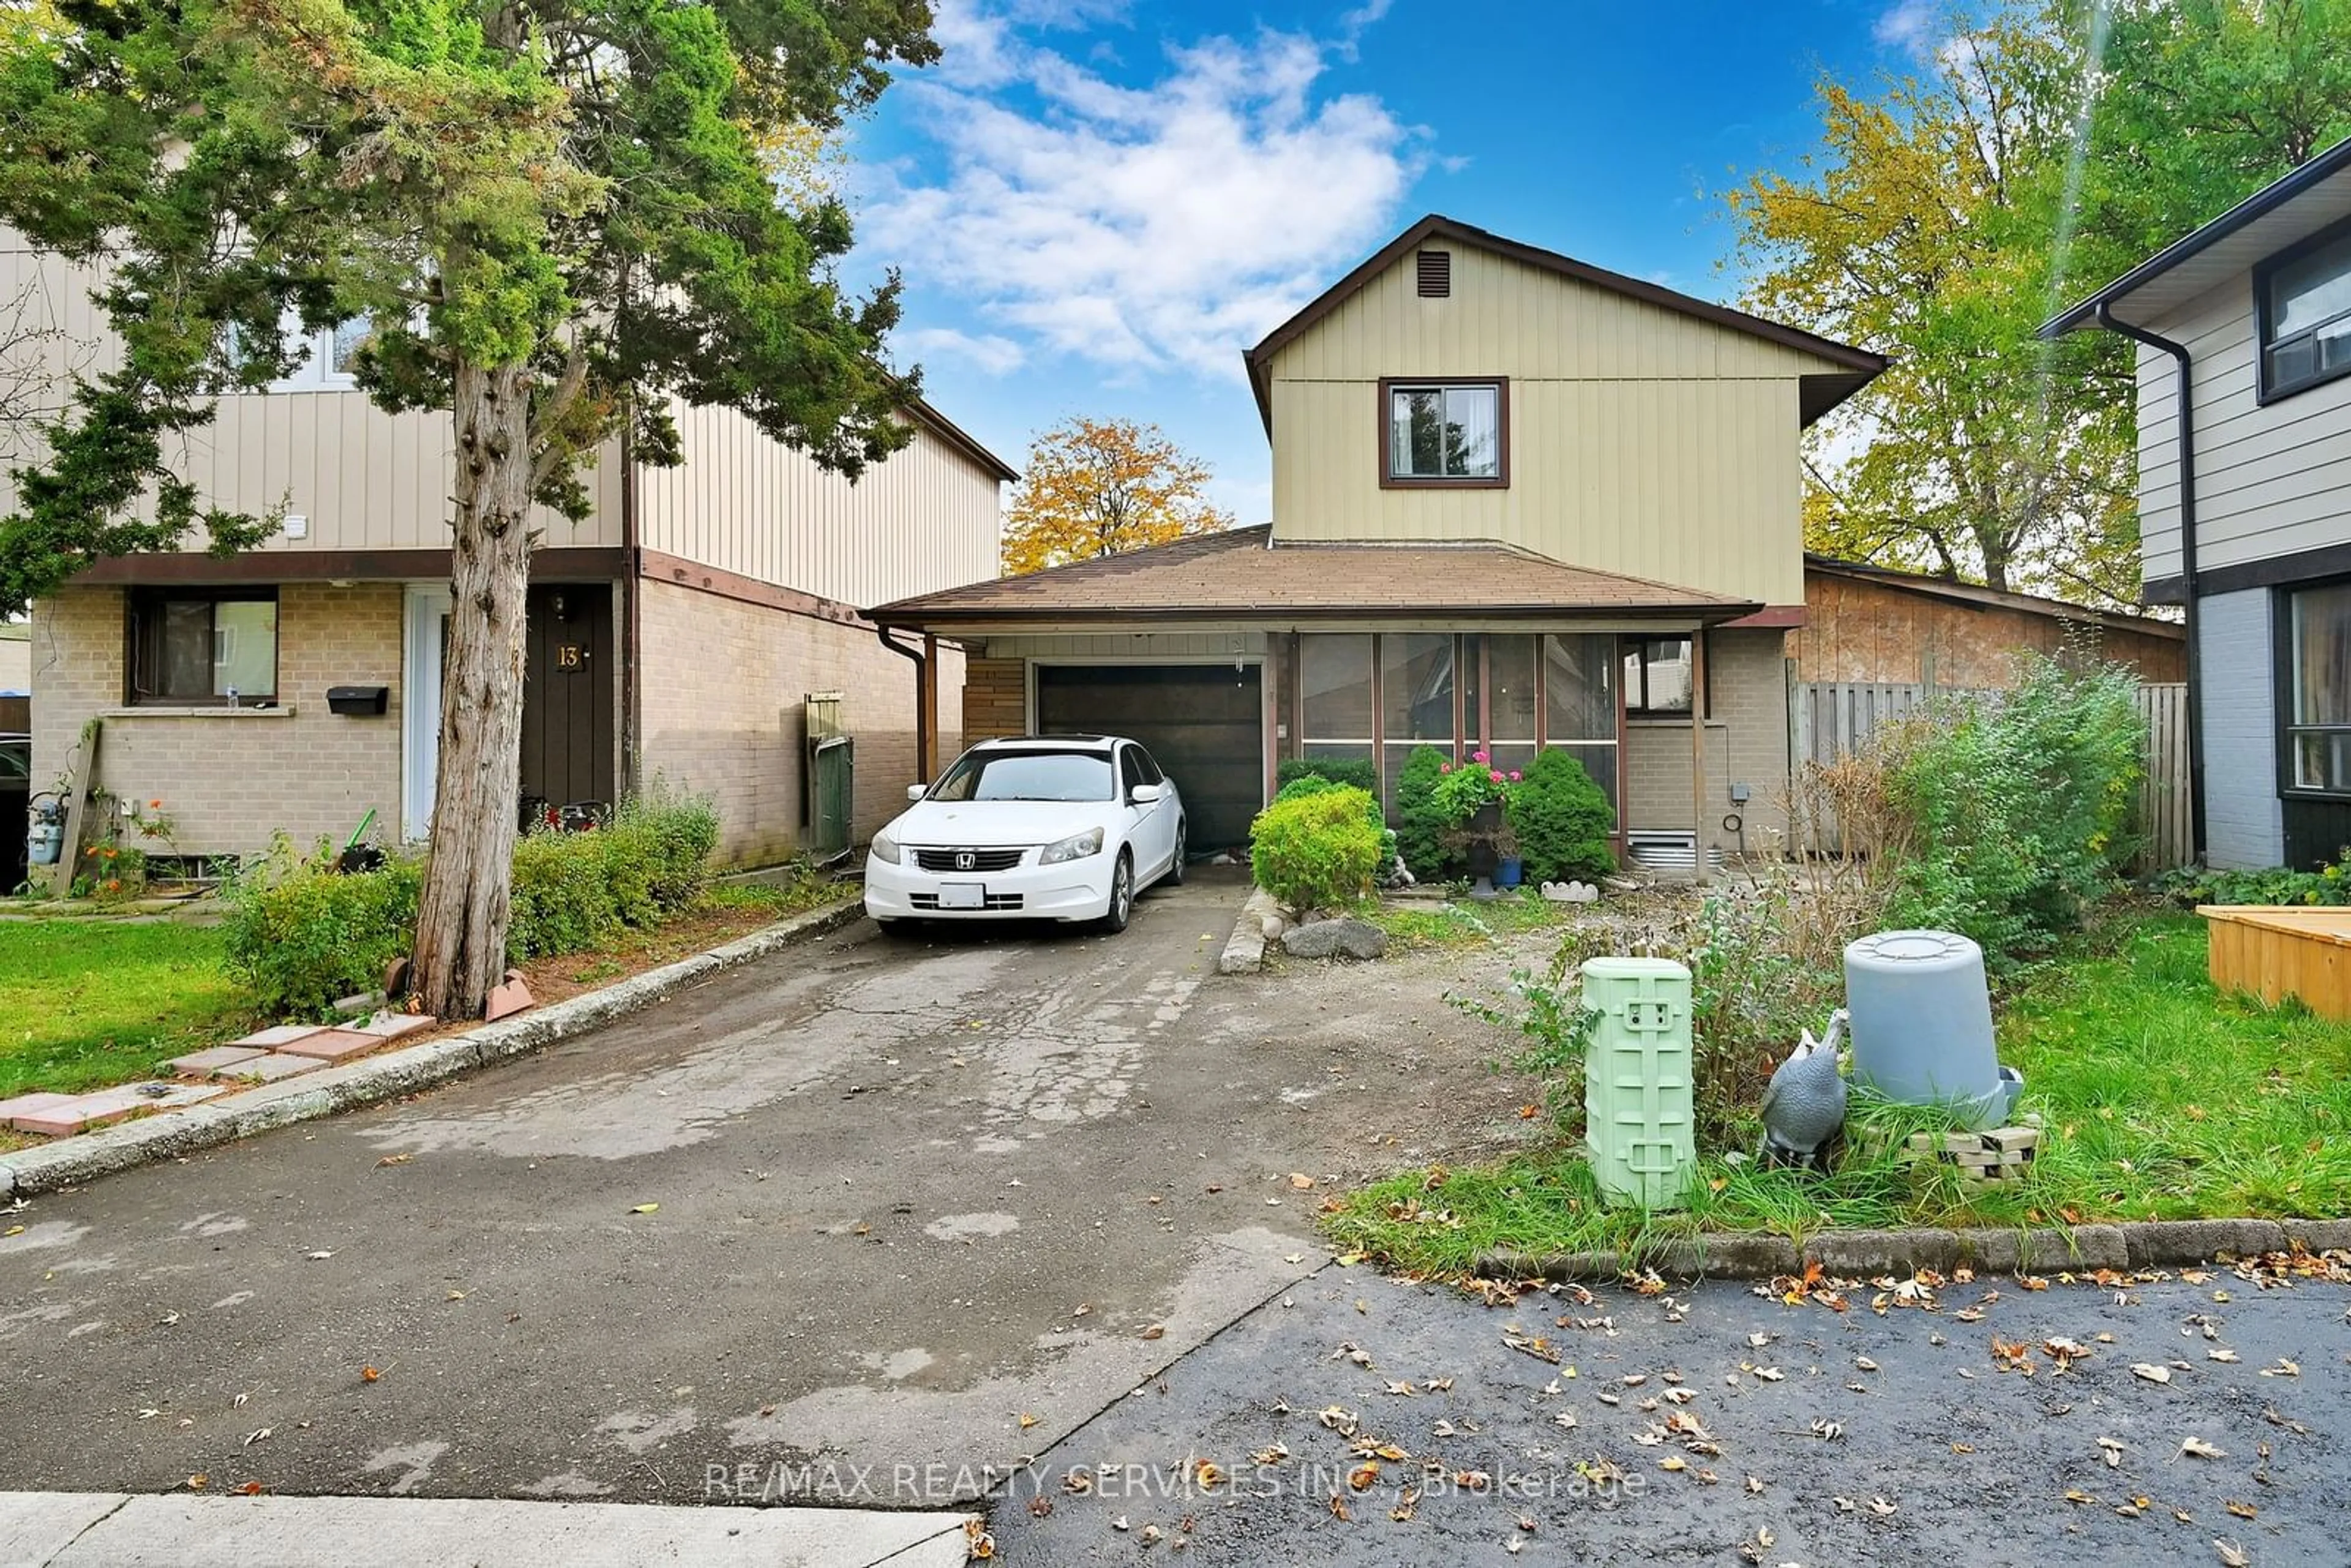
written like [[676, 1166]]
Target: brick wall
[[1746, 742], [995, 698], [724, 683], [227, 779]]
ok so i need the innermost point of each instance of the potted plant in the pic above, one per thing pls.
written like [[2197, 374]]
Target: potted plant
[[1472, 799]]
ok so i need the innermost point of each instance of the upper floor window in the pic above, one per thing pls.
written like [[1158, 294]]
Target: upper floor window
[[1444, 432], [200, 647], [2306, 316], [326, 358]]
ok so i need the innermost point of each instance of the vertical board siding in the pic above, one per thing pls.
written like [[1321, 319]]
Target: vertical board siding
[[2269, 481], [924, 519], [1641, 440]]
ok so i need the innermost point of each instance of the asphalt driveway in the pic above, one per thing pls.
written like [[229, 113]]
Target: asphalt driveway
[[849, 1222]]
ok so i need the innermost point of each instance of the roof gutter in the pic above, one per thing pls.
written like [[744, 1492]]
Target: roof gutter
[[2185, 364]]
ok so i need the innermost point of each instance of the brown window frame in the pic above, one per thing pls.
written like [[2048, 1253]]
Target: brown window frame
[[1498, 480], [142, 612]]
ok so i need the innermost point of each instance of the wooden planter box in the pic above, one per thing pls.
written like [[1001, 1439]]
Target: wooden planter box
[[2275, 952]]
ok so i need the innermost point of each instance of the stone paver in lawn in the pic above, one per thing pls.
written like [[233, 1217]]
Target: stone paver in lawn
[[270, 1067], [392, 1026], [77, 1111], [205, 1064], [332, 1044], [27, 1104], [279, 1036]]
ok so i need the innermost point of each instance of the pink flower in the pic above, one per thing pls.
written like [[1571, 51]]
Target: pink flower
[[1496, 777], [1445, 768], [1514, 775], [1477, 757]]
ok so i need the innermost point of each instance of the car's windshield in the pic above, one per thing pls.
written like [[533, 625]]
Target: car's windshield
[[1028, 776]]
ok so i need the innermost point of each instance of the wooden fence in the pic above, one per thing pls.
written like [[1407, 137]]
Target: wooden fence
[[1827, 719]]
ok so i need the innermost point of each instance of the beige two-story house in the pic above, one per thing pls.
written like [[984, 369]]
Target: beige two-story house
[[1519, 502], [674, 641]]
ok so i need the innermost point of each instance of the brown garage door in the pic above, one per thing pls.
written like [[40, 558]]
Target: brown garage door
[[1204, 723]]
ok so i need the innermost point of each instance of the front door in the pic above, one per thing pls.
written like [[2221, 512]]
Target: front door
[[567, 719], [426, 620]]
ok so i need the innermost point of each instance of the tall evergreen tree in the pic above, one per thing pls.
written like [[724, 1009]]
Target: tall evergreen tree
[[555, 216]]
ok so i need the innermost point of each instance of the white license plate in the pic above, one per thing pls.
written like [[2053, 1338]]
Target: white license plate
[[963, 895]]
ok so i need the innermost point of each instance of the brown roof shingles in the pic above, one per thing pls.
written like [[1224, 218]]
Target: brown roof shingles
[[1234, 575]]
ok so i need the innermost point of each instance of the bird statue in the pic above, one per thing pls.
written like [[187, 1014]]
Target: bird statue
[[1803, 1107]]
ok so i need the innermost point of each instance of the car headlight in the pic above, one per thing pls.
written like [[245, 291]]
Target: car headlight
[[1076, 847], [884, 848]]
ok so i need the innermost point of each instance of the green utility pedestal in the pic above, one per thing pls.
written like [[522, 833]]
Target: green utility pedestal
[[1638, 1104]]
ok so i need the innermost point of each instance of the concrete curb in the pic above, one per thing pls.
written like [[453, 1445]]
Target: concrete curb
[[69, 1161], [2154, 1244], [1245, 948]]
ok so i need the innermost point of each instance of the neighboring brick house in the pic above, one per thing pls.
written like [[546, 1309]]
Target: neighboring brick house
[[674, 636], [1878, 624], [1519, 502]]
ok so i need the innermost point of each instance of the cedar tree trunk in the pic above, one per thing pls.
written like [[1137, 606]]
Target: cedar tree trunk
[[461, 928]]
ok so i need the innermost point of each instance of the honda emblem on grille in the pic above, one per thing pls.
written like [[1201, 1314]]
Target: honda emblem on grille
[[965, 860]]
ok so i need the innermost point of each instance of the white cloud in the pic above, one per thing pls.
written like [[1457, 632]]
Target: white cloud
[[1908, 25], [994, 354], [1153, 227]]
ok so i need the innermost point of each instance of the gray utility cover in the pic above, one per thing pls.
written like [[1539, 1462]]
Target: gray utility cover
[[1922, 1025]]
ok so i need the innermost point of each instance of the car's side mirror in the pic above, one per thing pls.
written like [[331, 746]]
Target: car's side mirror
[[1143, 794], [916, 791]]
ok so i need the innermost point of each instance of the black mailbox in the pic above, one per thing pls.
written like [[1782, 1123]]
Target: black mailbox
[[358, 699]]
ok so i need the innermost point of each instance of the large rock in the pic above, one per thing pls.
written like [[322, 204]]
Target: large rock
[[1346, 937]]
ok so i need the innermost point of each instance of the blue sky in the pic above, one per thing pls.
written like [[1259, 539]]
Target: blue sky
[[1096, 204]]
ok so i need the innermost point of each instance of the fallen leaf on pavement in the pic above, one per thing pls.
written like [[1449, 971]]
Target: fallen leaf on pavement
[[2200, 1449], [2221, 1353], [2152, 1372], [2285, 1368], [2243, 1509], [646, 1208], [369, 1374], [1300, 1180], [1156, 1331], [2231, 1554], [394, 1160], [250, 1489], [1027, 1420], [198, 1483]]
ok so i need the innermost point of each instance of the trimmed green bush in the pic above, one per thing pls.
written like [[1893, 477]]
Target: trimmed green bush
[[2021, 805], [1355, 770], [1307, 784], [1562, 821], [299, 935], [1318, 849], [1420, 823]]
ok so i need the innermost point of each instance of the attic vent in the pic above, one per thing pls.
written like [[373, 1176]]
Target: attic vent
[[1435, 275]]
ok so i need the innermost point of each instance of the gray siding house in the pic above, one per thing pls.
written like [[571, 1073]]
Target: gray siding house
[[2243, 330]]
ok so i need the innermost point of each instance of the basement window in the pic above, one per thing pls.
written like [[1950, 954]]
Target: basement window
[[195, 647]]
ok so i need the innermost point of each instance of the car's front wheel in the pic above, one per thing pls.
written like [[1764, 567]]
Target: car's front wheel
[[1176, 867], [1121, 894]]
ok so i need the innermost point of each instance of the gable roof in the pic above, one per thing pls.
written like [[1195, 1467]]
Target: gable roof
[[954, 435], [1820, 392], [1935, 587], [2288, 209], [1243, 574]]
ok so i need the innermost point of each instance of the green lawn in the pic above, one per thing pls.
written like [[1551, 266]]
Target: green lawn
[[2161, 1098], [86, 1003]]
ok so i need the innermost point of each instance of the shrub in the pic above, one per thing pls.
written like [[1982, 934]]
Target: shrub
[[1307, 784], [299, 935], [1317, 847], [2020, 806], [2330, 885], [1562, 820], [1355, 770], [1419, 825]]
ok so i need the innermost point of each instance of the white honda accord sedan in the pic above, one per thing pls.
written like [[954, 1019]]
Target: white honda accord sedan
[[1057, 827]]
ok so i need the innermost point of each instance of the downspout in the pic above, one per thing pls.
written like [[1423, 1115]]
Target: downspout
[[2187, 422], [633, 571], [923, 741]]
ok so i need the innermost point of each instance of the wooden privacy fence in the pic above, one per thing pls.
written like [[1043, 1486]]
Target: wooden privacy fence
[[1829, 719], [2164, 795]]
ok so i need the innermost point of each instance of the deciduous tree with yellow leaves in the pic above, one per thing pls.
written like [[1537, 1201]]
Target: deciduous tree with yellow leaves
[[1101, 487]]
